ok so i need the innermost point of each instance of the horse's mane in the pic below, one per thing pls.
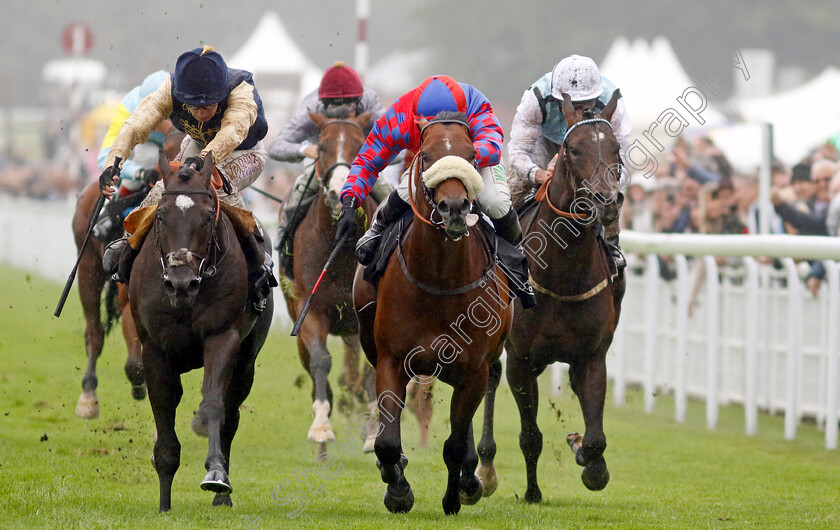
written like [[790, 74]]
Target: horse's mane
[[588, 114], [451, 115], [341, 112]]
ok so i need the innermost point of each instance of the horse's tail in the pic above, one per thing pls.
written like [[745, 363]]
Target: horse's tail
[[111, 305]]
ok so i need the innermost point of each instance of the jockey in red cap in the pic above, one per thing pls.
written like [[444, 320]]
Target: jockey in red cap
[[397, 130], [340, 94]]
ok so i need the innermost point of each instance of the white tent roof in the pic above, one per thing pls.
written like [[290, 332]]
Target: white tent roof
[[270, 50], [74, 71], [398, 72], [651, 79], [796, 131]]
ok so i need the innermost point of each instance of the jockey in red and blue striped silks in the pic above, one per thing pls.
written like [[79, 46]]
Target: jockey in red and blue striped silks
[[397, 130]]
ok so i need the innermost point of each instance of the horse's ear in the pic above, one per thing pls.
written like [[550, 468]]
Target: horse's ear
[[318, 119], [422, 123], [207, 169], [362, 119], [569, 110], [163, 164], [611, 106]]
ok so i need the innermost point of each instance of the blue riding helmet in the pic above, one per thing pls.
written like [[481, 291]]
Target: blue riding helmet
[[201, 77]]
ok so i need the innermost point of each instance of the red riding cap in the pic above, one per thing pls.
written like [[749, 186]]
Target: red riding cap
[[340, 81]]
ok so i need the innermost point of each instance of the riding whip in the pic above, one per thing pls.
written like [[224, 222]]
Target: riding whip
[[115, 169], [299, 321], [270, 196]]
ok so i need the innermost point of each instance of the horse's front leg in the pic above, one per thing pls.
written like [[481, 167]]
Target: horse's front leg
[[456, 449], [220, 360], [589, 382], [313, 338], [487, 445], [133, 363], [391, 381], [91, 280], [522, 379], [165, 393]]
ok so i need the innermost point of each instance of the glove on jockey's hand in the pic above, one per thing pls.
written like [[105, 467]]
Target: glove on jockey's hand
[[108, 178], [347, 225], [195, 161]]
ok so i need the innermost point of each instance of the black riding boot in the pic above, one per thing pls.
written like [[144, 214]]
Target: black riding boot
[[391, 210], [617, 255], [508, 228], [260, 272], [126, 261]]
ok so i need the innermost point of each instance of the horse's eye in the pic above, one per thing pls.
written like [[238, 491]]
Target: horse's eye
[[573, 151]]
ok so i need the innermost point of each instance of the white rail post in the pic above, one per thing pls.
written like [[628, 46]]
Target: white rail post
[[712, 340], [651, 303], [751, 348], [833, 372], [683, 295], [794, 346]]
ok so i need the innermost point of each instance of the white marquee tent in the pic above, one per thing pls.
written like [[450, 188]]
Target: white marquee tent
[[651, 79], [282, 71], [803, 118]]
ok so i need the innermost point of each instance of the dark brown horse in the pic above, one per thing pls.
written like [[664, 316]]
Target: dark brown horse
[[331, 312], [578, 299], [188, 292], [441, 309], [92, 280]]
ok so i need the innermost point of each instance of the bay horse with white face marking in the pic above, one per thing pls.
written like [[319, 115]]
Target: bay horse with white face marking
[[331, 312], [441, 309], [578, 299], [188, 292]]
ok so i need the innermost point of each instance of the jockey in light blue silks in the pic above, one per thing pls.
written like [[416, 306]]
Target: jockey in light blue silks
[[539, 125]]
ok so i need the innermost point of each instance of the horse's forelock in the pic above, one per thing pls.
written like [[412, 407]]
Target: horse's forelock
[[341, 112], [588, 114], [451, 115], [185, 173]]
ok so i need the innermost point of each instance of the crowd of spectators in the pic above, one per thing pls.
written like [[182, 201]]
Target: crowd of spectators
[[697, 191]]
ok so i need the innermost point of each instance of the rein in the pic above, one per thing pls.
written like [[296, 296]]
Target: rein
[[184, 256]]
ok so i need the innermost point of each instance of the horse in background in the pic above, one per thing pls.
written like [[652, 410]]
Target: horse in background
[[92, 281], [188, 293], [441, 308], [578, 296], [341, 136]]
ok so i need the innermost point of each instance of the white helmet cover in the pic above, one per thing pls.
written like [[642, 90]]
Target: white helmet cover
[[577, 76]]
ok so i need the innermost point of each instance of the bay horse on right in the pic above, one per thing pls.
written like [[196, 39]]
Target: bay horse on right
[[578, 290]]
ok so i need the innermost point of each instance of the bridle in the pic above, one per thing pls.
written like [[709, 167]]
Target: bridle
[[185, 256], [324, 176], [415, 173], [542, 193]]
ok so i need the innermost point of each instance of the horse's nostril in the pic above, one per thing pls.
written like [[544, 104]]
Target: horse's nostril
[[443, 208]]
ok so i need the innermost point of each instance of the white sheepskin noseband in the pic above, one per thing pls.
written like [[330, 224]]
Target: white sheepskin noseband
[[452, 166]]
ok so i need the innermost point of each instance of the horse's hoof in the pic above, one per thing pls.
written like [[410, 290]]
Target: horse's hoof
[[88, 405], [321, 434], [471, 498], [451, 506], [138, 392], [198, 426], [217, 481], [489, 478], [595, 475], [222, 500], [398, 504], [534, 496]]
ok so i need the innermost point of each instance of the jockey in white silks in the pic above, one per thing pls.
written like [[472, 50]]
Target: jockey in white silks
[[539, 125]]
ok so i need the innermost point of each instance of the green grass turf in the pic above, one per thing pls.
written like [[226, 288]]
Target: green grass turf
[[58, 471]]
